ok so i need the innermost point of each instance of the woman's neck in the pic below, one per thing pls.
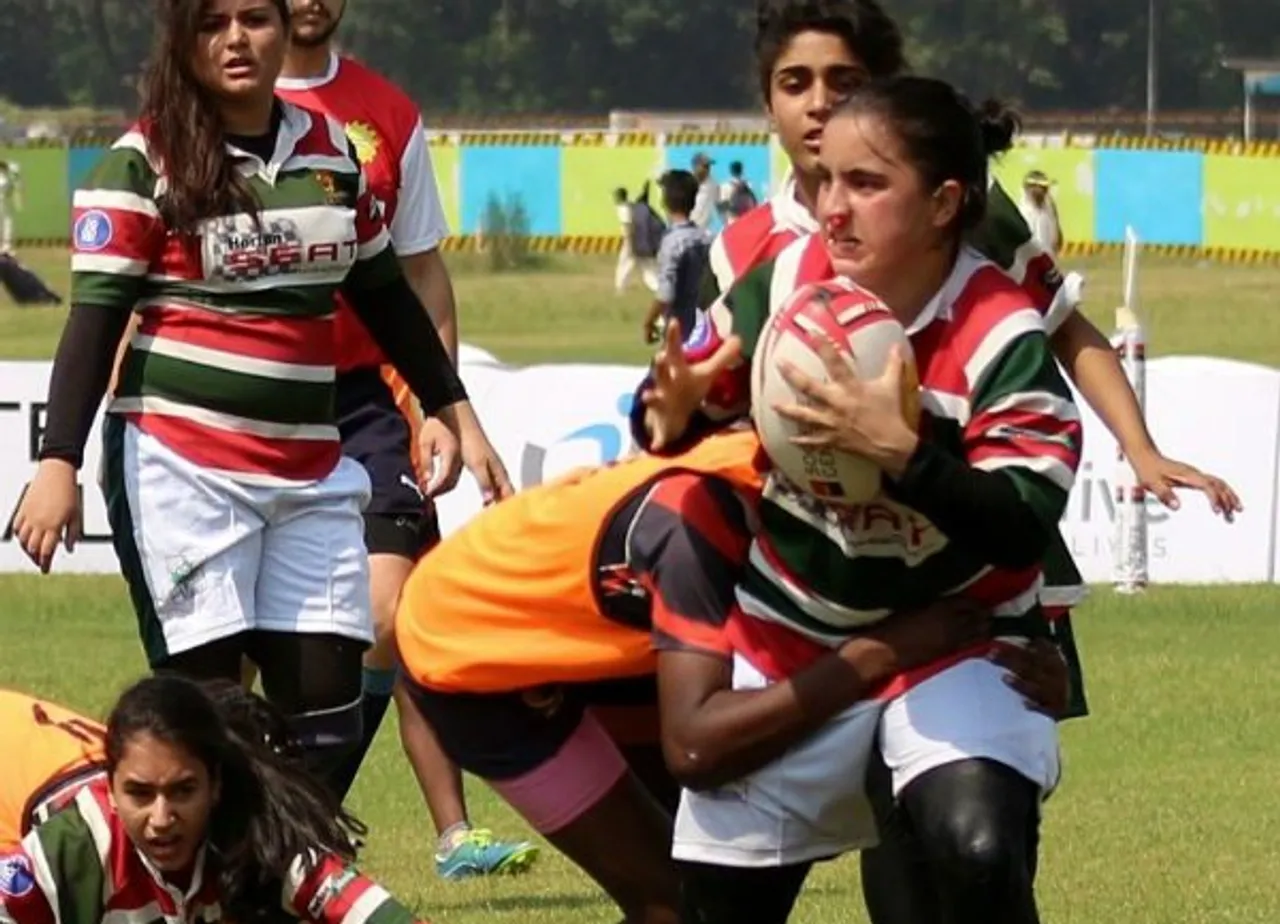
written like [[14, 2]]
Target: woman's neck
[[909, 292], [807, 186], [249, 119]]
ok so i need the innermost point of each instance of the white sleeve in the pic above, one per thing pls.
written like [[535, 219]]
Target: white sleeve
[[419, 224]]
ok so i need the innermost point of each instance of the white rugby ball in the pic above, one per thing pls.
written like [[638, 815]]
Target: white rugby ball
[[864, 330]]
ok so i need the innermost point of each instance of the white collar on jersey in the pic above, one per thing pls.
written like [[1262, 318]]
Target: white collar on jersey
[[310, 83], [294, 125], [967, 263], [789, 212]]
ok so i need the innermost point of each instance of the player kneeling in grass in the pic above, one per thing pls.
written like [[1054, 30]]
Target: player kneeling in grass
[[202, 810], [530, 641]]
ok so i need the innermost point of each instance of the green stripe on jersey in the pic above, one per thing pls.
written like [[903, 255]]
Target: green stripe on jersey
[[750, 304], [110, 290], [391, 912], [253, 397], [295, 301], [1003, 231], [122, 169], [72, 856]]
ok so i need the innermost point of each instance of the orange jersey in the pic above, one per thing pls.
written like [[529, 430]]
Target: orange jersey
[[538, 589], [51, 753]]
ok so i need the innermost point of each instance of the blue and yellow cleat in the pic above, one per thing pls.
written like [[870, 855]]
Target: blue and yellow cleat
[[477, 853]]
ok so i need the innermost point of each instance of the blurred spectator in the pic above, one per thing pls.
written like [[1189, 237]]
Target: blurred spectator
[[708, 201], [736, 195], [682, 258], [642, 232], [1041, 212], [10, 203]]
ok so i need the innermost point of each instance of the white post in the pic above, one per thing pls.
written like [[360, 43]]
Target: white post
[[1248, 109], [1130, 559], [1152, 67]]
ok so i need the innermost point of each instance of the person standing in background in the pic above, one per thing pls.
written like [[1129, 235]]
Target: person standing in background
[[10, 203], [386, 130], [708, 201], [682, 258], [638, 252], [736, 195], [1041, 212]]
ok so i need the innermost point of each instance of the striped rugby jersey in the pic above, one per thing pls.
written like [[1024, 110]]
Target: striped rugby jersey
[[232, 364], [760, 238], [81, 868], [991, 394]]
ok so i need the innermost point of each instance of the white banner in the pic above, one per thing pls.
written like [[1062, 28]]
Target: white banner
[[1220, 415]]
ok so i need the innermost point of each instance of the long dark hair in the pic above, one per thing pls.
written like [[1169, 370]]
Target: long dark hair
[[942, 133], [182, 126], [270, 813]]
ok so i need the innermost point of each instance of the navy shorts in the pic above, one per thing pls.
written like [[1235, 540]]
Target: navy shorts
[[398, 520]]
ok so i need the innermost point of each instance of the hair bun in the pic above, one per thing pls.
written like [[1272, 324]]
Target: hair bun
[[999, 125]]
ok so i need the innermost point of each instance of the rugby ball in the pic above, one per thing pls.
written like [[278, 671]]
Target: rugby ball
[[864, 330]]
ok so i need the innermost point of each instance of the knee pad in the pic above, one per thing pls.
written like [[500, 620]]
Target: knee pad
[[329, 735]]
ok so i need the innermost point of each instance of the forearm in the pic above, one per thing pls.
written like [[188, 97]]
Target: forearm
[[1093, 366], [732, 733], [82, 367], [400, 326], [429, 278], [982, 510]]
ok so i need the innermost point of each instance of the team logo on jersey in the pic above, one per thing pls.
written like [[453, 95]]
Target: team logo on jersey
[[93, 230], [16, 877], [326, 182], [365, 139]]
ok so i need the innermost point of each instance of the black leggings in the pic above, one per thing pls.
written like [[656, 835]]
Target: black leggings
[[957, 847], [313, 679], [733, 895]]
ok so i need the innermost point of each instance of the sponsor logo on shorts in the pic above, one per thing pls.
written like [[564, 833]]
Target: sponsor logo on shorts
[[16, 877], [93, 230]]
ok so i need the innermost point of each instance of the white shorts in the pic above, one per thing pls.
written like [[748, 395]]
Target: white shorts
[[208, 557], [809, 804], [966, 712]]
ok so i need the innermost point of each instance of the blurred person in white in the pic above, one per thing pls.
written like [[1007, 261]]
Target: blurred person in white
[[708, 202], [1041, 212], [635, 255], [736, 195], [10, 203]]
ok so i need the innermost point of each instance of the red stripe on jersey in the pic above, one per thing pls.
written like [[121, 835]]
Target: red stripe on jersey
[[369, 221], [326, 867], [181, 258], [356, 347], [23, 902], [1042, 281], [223, 450], [685, 632], [309, 341], [336, 906], [988, 298], [318, 142], [752, 239], [133, 236], [689, 498], [1028, 445], [917, 675], [773, 649]]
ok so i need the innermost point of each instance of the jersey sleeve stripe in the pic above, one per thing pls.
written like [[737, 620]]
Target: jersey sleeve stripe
[[115, 199], [673, 632], [996, 342], [708, 509], [108, 265]]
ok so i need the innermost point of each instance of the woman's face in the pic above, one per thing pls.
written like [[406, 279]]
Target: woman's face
[[164, 796], [877, 216], [814, 73], [240, 48]]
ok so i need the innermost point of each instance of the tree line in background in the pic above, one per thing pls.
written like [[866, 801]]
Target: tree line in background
[[489, 57]]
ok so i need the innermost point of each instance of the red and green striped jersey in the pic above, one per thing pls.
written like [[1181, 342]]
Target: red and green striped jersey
[[232, 364], [80, 867], [991, 394]]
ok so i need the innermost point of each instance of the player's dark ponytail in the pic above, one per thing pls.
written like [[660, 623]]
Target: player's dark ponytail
[[944, 136], [271, 812]]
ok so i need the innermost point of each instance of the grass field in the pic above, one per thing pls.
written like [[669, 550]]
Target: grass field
[[1168, 807]]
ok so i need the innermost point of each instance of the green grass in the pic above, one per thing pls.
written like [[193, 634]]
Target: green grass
[[567, 310], [1166, 814], [1168, 807]]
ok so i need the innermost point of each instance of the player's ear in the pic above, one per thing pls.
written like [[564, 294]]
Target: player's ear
[[948, 199]]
